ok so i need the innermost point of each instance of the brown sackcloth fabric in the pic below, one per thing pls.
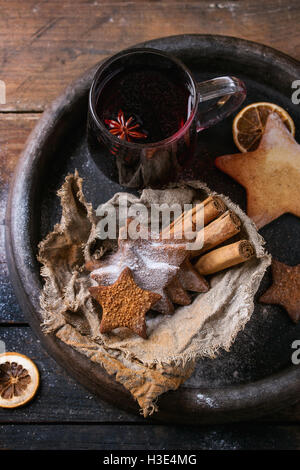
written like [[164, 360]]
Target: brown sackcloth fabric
[[147, 368]]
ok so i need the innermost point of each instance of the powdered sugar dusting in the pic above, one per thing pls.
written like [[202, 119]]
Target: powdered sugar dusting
[[205, 400], [151, 264]]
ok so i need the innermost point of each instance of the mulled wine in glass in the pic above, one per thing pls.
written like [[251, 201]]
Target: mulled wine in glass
[[144, 115]]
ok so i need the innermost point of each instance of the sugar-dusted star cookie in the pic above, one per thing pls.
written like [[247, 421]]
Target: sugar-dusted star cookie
[[124, 304], [270, 174], [153, 264], [285, 289]]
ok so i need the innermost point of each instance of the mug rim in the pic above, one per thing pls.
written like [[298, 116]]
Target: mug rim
[[168, 140]]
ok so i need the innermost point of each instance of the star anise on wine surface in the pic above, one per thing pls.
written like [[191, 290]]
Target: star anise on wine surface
[[14, 379], [125, 129]]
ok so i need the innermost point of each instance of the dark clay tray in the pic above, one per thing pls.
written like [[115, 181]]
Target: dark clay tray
[[256, 376]]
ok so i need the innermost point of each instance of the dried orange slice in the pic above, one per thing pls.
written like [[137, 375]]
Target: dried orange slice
[[19, 380], [249, 124]]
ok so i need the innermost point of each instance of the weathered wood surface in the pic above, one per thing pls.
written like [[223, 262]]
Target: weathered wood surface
[[14, 130], [43, 46], [141, 437], [61, 400]]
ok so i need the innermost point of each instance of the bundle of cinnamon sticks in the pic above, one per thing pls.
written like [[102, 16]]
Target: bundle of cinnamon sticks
[[218, 226]]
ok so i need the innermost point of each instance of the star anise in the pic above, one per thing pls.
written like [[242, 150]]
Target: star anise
[[14, 379], [125, 130]]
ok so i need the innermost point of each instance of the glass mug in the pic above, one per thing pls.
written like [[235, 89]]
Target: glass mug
[[145, 112]]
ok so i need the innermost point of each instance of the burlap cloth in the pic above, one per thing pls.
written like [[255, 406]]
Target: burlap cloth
[[147, 368]]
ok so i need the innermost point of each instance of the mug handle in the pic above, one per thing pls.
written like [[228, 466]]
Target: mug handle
[[231, 92]]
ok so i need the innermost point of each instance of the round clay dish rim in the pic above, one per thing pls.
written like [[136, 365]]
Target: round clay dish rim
[[188, 405]]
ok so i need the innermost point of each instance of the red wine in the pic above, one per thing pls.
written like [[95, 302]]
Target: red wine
[[158, 102], [143, 98]]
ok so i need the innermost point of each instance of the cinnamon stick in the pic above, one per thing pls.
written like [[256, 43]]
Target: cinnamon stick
[[215, 233], [225, 257], [209, 209]]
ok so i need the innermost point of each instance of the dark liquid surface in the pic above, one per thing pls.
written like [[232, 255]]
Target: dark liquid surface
[[158, 102]]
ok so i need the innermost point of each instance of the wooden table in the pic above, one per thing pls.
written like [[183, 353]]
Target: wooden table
[[43, 46]]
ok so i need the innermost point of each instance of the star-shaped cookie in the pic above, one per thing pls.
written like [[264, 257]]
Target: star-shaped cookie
[[153, 264], [270, 174], [124, 304], [285, 289]]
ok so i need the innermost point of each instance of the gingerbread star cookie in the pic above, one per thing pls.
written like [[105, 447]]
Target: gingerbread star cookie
[[153, 264], [285, 289], [124, 304], [270, 174]]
